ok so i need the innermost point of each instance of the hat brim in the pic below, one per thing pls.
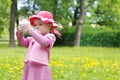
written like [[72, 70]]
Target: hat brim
[[45, 20]]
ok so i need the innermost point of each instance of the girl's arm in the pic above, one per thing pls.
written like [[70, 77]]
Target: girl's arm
[[42, 40], [21, 40]]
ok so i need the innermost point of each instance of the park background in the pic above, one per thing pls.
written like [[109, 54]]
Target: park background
[[90, 44]]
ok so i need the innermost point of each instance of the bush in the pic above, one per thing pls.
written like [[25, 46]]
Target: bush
[[67, 37], [99, 36]]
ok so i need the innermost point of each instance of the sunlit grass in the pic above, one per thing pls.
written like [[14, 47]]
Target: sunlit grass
[[67, 63]]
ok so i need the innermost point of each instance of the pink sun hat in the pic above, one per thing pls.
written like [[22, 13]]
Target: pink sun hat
[[46, 17]]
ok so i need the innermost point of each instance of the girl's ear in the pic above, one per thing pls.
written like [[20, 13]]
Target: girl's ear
[[50, 25]]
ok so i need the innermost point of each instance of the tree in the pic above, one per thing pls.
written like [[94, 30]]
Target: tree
[[108, 16], [12, 23], [79, 24], [4, 14], [99, 14], [104, 13]]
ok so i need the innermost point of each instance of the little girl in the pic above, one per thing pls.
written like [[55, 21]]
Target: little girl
[[39, 44]]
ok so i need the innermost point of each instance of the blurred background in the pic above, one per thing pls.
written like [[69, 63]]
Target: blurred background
[[94, 25], [81, 22]]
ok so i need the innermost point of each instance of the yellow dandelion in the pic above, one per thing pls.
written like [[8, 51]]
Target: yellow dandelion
[[16, 67], [115, 65], [75, 60], [62, 71], [84, 75], [7, 65], [11, 70]]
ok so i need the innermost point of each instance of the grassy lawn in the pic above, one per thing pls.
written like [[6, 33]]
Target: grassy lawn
[[67, 63]]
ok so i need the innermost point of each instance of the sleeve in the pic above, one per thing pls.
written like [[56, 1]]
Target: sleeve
[[21, 40], [45, 41], [51, 38]]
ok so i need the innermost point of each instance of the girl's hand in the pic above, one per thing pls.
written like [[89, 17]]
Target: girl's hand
[[20, 32], [25, 27]]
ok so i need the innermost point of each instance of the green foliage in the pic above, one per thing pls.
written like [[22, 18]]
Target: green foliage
[[23, 11], [98, 36], [1, 27], [108, 38], [105, 12], [67, 37], [4, 14]]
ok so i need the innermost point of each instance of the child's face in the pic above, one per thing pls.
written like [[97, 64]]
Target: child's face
[[42, 27]]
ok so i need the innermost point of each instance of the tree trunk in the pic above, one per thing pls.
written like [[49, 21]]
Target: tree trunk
[[12, 23], [75, 16], [55, 11], [79, 24]]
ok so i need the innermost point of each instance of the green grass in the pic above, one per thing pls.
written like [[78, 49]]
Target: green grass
[[67, 63]]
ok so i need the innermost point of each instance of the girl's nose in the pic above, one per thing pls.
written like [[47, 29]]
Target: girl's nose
[[36, 27]]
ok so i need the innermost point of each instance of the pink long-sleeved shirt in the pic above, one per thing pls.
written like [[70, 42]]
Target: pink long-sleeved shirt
[[38, 46]]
